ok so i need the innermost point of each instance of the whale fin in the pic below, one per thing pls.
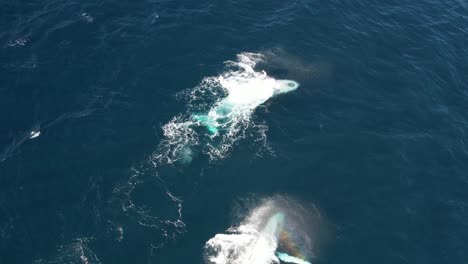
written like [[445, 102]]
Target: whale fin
[[208, 122], [291, 259]]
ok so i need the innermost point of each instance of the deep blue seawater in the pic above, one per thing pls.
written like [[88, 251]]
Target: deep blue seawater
[[376, 136]]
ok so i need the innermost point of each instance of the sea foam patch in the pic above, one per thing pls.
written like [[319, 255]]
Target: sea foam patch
[[220, 111], [276, 229]]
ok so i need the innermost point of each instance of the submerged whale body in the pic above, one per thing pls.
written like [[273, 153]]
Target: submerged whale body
[[291, 259], [243, 96]]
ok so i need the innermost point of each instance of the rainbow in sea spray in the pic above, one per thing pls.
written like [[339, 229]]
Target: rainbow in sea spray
[[289, 244], [276, 230], [221, 105]]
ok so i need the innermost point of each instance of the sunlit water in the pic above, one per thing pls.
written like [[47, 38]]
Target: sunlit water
[[187, 131]]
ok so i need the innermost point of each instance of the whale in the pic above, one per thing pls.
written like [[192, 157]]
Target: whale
[[220, 111], [291, 259], [275, 232], [243, 97], [271, 234]]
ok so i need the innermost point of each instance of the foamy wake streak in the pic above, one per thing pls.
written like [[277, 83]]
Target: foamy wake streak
[[77, 251], [268, 228], [168, 226], [179, 139]]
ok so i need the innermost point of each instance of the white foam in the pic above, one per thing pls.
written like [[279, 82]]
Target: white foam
[[19, 42], [169, 227], [179, 138], [78, 251], [34, 134], [255, 240], [227, 101]]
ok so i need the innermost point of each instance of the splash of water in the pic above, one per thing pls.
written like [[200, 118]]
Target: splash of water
[[270, 227], [223, 105]]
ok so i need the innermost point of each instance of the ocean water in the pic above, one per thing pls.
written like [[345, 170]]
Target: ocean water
[[165, 131]]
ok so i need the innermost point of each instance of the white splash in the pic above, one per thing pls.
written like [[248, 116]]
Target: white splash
[[223, 105], [246, 90], [256, 240], [245, 243], [34, 134]]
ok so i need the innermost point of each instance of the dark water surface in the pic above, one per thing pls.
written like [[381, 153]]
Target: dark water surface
[[375, 137]]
